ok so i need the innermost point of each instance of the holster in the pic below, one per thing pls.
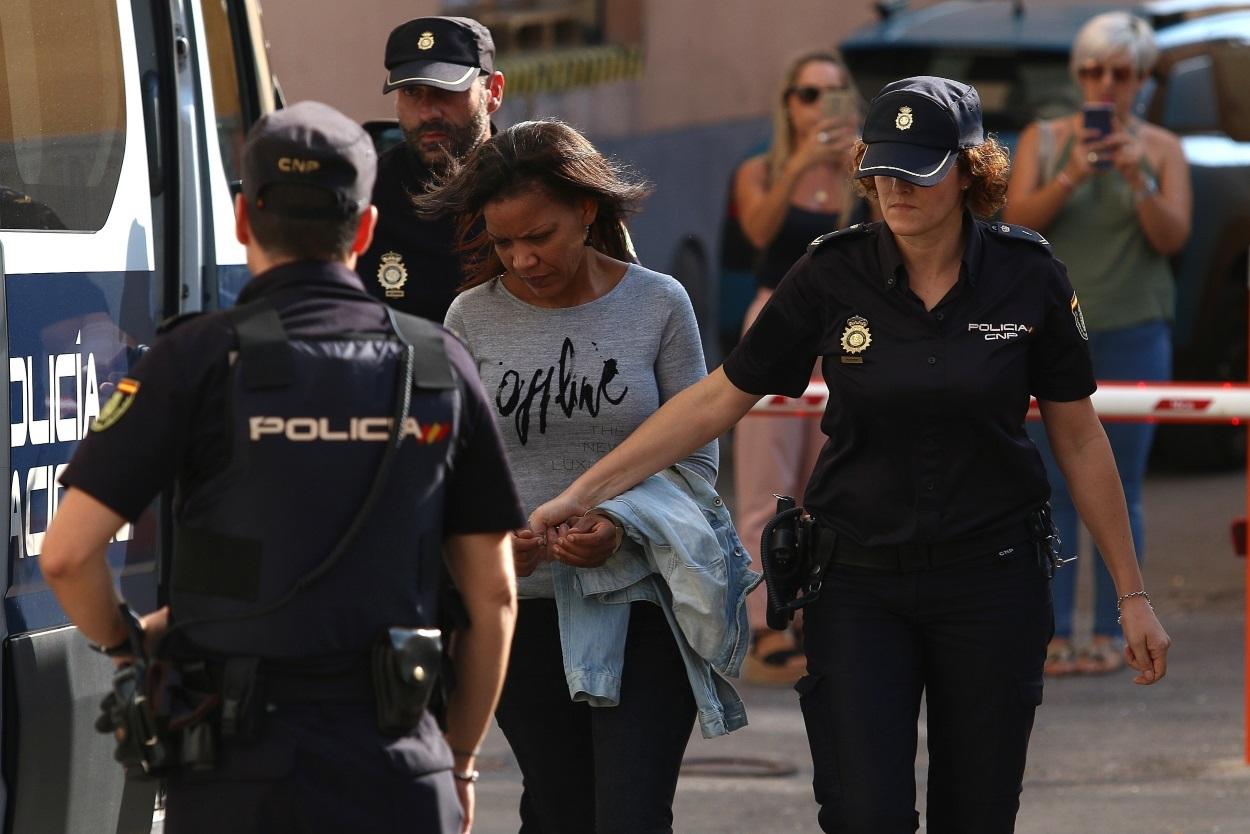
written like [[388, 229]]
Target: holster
[[405, 666], [1046, 540], [160, 723], [794, 563]]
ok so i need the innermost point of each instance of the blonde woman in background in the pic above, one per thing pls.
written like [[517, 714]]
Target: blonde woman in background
[[787, 196]]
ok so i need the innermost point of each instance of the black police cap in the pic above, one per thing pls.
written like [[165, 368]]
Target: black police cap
[[308, 160], [444, 52], [916, 127]]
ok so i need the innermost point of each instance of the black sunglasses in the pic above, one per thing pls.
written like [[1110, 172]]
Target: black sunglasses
[[808, 95], [1096, 72]]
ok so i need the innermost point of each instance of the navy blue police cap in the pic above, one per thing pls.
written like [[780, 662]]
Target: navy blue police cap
[[444, 52], [308, 160], [916, 127]]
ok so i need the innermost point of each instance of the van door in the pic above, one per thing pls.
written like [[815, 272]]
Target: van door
[[237, 89], [120, 127], [82, 290]]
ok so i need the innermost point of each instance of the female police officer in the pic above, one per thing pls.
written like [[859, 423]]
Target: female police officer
[[933, 329]]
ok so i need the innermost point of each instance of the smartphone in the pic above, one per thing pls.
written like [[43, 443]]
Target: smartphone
[[1098, 117], [836, 104]]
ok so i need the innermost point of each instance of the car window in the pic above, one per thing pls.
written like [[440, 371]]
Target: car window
[[62, 114], [1015, 87]]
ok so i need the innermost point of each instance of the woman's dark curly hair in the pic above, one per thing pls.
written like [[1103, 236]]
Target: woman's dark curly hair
[[547, 155], [987, 166]]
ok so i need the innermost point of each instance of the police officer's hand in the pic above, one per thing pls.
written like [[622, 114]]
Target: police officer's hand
[[1146, 643], [557, 511], [468, 800], [587, 542], [154, 626], [528, 550]]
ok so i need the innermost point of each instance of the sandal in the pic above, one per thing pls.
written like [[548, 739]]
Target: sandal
[[1060, 658], [774, 659], [1102, 656]]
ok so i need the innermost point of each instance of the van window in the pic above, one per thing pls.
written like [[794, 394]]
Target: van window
[[231, 130], [62, 113]]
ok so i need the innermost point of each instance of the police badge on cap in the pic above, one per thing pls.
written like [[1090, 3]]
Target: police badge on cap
[[444, 52], [916, 127]]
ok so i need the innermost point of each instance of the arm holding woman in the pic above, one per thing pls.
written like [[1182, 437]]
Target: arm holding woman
[[688, 421]]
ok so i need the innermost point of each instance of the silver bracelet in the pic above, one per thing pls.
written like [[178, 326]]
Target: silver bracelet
[[465, 775], [1119, 602]]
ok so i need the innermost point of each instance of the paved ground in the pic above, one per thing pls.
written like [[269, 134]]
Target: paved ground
[[1107, 756]]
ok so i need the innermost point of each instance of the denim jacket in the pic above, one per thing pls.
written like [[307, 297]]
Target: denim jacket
[[682, 553]]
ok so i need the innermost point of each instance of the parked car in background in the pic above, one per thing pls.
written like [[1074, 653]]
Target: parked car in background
[[1016, 55]]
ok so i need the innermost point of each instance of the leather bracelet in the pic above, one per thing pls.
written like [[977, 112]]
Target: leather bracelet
[[1119, 602], [465, 775]]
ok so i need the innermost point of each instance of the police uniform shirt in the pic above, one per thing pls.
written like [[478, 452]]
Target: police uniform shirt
[[412, 263], [925, 419], [175, 421]]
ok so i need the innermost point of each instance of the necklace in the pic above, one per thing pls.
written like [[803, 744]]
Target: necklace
[[821, 196]]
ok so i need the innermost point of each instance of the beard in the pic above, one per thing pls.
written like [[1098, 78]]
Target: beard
[[459, 141]]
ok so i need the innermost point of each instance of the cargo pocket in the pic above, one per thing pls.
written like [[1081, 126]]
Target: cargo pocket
[[1030, 693], [817, 718], [421, 752]]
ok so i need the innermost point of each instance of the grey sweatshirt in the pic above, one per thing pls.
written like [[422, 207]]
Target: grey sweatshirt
[[569, 384]]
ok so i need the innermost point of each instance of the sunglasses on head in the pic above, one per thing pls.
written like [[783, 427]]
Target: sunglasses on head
[[808, 95], [1096, 72]]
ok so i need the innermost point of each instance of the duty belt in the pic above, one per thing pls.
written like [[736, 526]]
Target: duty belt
[[920, 556]]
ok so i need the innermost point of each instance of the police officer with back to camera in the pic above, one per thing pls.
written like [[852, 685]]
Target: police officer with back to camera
[[327, 455], [926, 548], [442, 71]]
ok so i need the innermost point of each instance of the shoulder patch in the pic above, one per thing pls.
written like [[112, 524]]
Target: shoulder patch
[[174, 321], [849, 231], [1018, 232]]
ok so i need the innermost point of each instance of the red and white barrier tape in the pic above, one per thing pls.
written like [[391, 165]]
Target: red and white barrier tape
[[1156, 402]]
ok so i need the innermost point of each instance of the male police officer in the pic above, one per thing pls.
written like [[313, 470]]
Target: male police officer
[[322, 467], [442, 70]]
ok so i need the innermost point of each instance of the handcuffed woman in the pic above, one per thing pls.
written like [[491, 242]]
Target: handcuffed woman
[[933, 328], [578, 346]]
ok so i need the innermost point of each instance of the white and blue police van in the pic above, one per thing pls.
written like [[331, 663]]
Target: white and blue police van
[[120, 126]]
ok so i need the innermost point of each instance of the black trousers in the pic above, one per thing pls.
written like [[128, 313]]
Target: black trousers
[[972, 639], [596, 770], [321, 769]]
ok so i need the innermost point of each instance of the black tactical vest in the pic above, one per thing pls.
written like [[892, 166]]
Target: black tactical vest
[[311, 420]]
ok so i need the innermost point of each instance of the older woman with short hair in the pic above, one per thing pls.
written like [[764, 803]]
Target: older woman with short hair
[[1115, 207]]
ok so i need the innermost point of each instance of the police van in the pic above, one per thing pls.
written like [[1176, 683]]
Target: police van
[[121, 122]]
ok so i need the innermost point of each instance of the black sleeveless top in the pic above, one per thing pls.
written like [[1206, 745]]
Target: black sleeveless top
[[799, 228]]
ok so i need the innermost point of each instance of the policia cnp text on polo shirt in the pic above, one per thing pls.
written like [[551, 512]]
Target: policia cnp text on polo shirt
[[323, 458], [933, 328]]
